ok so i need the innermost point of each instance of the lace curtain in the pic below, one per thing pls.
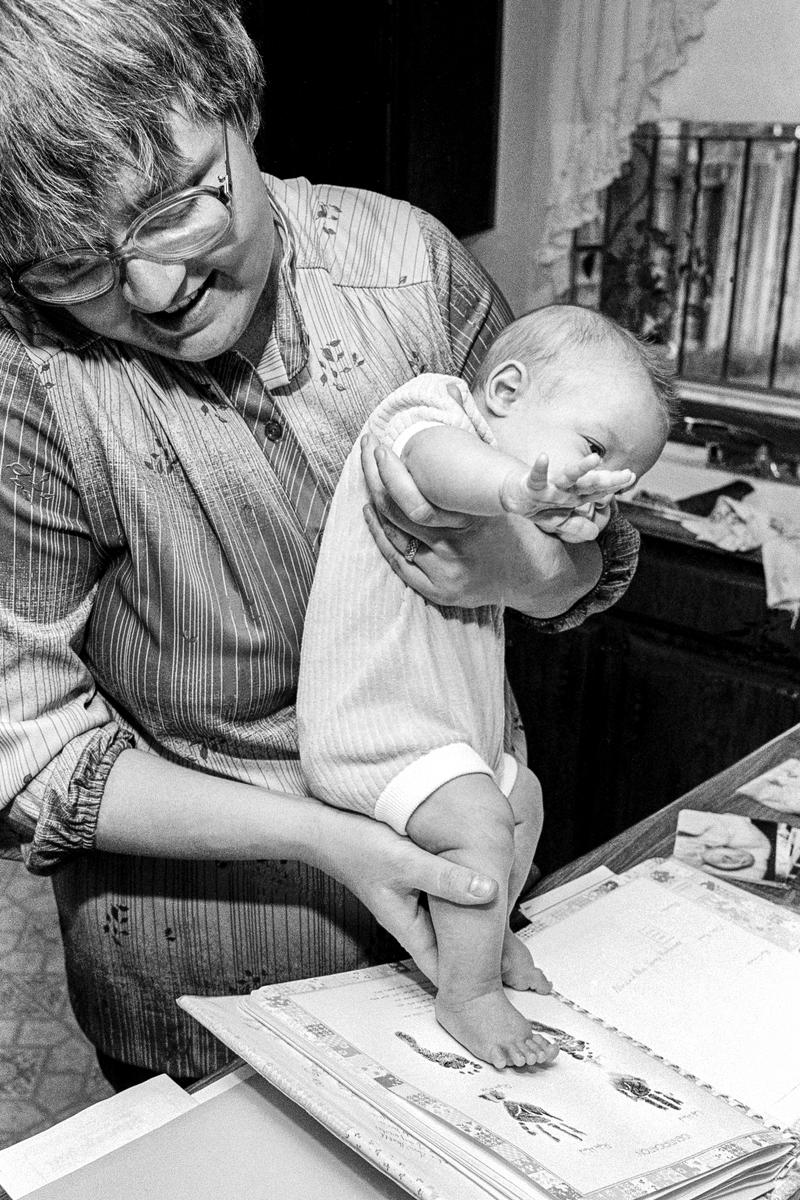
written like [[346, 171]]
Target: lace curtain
[[611, 59]]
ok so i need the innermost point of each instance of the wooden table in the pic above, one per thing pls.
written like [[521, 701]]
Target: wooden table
[[654, 836]]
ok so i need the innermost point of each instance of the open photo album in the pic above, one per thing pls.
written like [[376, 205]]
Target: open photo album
[[678, 1074]]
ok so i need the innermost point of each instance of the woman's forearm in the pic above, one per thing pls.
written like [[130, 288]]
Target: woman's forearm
[[155, 808]]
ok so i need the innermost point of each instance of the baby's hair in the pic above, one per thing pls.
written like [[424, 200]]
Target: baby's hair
[[545, 338]]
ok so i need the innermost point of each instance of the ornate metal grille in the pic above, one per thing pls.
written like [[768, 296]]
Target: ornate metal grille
[[699, 248]]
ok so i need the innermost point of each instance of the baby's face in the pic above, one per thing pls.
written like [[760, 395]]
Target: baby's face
[[608, 411], [729, 858]]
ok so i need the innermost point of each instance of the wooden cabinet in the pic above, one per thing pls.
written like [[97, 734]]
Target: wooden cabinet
[[686, 674], [398, 96]]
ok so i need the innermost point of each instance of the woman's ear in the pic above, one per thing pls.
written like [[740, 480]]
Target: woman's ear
[[505, 386]]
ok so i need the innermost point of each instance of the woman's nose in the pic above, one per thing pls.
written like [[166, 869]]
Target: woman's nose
[[151, 286]]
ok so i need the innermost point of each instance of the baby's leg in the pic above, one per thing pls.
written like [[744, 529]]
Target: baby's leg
[[525, 801], [469, 821]]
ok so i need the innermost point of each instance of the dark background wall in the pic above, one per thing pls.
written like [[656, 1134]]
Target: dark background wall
[[399, 96]]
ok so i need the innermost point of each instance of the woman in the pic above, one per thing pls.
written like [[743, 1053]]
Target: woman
[[187, 351]]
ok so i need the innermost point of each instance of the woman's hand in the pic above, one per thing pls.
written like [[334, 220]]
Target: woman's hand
[[157, 808], [390, 874], [447, 557], [454, 559]]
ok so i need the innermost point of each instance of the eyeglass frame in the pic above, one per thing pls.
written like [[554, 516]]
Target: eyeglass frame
[[223, 193]]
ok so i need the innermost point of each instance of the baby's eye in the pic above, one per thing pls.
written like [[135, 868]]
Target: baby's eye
[[595, 447]]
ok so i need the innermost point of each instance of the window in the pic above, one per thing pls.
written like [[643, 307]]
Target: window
[[699, 248]]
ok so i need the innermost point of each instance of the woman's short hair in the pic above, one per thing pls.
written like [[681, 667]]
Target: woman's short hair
[[88, 87]]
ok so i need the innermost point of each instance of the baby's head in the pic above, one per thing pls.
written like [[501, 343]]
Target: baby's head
[[568, 381]]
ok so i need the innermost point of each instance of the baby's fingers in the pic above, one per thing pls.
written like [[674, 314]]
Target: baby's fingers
[[537, 476], [569, 476], [604, 482]]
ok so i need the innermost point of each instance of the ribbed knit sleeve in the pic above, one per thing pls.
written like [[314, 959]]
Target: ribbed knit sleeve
[[619, 544]]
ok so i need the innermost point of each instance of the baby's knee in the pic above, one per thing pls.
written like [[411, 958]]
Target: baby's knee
[[469, 815], [525, 799], [487, 836]]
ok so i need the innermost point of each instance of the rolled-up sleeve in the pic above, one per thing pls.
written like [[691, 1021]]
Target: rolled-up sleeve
[[619, 546], [58, 737]]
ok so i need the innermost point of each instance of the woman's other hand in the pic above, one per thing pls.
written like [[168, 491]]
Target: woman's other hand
[[455, 559]]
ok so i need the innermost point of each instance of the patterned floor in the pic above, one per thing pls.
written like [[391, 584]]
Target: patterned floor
[[47, 1068]]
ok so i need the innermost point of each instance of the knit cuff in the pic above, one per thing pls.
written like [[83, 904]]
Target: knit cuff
[[404, 794]]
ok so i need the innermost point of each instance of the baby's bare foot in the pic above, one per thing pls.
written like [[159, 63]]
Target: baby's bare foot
[[492, 1029], [518, 968]]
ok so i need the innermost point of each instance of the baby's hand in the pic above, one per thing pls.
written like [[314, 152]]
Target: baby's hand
[[528, 492], [582, 524]]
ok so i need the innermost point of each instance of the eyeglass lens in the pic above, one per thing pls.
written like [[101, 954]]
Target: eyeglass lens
[[176, 231], [69, 277], [185, 226]]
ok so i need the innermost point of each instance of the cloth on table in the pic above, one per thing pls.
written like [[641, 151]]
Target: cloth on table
[[740, 525]]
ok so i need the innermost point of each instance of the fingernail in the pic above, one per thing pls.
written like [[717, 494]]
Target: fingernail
[[480, 886]]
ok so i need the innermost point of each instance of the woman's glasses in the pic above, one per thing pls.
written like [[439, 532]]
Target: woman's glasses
[[172, 230]]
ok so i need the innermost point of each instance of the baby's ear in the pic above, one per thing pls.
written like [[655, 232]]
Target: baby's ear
[[505, 386]]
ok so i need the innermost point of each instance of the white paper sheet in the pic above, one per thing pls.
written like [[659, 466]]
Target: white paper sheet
[[90, 1134], [631, 958]]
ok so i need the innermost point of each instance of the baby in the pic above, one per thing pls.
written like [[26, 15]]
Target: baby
[[400, 703]]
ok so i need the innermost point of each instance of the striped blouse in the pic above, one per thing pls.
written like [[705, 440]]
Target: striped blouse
[[159, 523]]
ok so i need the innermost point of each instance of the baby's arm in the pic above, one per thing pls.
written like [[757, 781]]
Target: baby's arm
[[460, 473]]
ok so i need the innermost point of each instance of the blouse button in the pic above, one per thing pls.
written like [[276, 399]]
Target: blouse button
[[273, 429]]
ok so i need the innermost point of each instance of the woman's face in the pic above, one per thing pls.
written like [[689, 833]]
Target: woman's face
[[197, 309]]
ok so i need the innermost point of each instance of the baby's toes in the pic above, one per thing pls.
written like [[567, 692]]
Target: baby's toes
[[518, 968], [516, 1054], [539, 982], [533, 1053], [501, 1057], [548, 1049], [538, 1051]]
